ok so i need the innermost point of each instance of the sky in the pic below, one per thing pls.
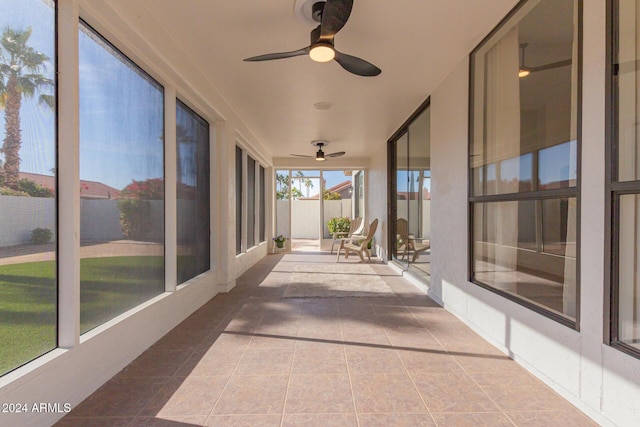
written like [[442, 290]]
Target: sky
[[37, 122]]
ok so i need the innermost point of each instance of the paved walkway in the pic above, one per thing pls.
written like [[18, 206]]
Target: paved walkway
[[254, 358]]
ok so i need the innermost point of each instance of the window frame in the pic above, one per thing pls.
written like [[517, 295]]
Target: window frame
[[534, 195], [240, 205], [614, 189], [197, 116], [142, 73]]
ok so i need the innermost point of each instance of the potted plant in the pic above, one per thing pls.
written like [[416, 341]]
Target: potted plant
[[339, 225], [280, 241]]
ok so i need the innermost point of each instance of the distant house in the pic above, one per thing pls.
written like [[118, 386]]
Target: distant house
[[345, 189], [408, 195], [88, 189]]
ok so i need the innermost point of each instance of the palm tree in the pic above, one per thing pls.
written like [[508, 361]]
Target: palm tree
[[20, 75]]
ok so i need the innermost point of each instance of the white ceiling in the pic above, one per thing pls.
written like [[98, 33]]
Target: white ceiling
[[416, 43]]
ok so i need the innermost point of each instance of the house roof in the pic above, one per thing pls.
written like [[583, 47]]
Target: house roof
[[88, 189]]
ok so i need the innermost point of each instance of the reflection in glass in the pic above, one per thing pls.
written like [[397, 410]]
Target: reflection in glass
[[505, 259], [263, 206], [629, 264], [251, 202], [626, 103], [557, 166], [193, 207], [401, 193], [518, 121], [524, 144], [122, 183], [28, 292], [238, 200]]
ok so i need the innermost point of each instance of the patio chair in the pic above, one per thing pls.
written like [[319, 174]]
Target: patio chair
[[360, 245], [341, 236], [406, 243]]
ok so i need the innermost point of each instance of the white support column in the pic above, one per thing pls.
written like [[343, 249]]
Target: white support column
[[68, 176], [170, 191]]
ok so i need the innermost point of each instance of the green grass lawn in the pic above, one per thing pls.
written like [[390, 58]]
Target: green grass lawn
[[28, 297]]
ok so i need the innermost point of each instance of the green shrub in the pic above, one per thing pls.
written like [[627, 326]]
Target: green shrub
[[6, 191], [339, 225], [34, 189], [41, 236], [134, 217]]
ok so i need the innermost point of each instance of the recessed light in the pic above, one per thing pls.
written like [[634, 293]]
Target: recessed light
[[323, 105]]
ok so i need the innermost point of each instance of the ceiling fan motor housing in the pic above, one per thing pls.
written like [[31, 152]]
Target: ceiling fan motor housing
[[316, 11]]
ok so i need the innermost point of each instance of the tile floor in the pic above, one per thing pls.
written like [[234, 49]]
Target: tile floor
[[254, 358]]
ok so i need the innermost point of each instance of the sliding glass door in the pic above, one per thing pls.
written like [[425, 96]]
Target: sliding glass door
[[410, 196]]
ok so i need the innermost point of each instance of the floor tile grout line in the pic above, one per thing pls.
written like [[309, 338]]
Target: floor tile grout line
[[293, 358], [406, 370], [346, 360], [235, 368]]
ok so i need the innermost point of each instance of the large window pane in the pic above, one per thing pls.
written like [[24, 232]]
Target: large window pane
[[193, 207], [121, 183], [524, 158], [263, 205], [251, 202], [628, 90], [629, 266], [625, 179], [28, 292], [525, 102], [238, 200], [505, 260]]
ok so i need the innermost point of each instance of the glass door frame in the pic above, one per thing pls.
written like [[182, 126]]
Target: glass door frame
[[392, 181]]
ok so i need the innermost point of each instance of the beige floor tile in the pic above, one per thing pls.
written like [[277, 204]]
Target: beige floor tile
[[321, 360], [249, 356], [253, 395], [568, 418], [375, 393], [243, 421], [215, 361], [396, 420], [484, 419], [452, 392], [321, 393], [428, 361], [320, 420], [373, 360], [265, 361], [192, 395], [170, 421]]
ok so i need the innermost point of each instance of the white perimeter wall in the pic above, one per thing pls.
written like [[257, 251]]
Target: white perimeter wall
[[601, 381]]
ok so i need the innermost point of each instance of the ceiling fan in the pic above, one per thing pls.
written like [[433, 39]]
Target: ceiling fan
[[320, 155], [525, 71], [332, 15]]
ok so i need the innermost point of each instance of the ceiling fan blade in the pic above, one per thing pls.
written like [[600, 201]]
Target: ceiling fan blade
[[338, 154], [280, 55], [334, 15], [550, 66], [356, 65], [302, 155]]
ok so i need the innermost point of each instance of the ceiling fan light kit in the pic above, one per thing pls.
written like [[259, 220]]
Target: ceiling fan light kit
[[321, 52], [332, 16], [320, 155], [524, 70]]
